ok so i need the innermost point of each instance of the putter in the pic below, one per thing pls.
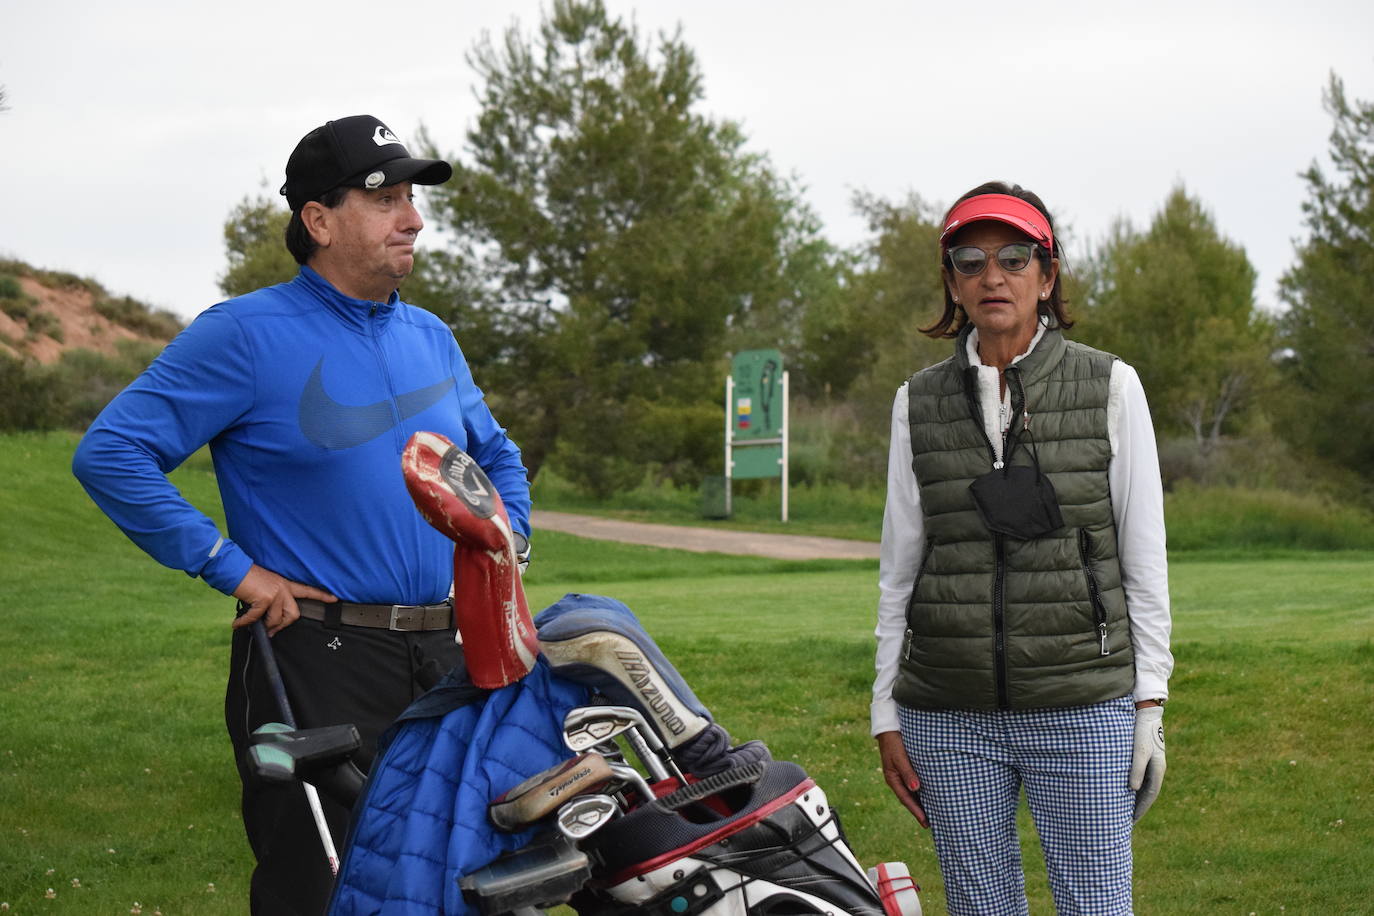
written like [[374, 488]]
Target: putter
[[585, 815], [269, 663], [587, 726]]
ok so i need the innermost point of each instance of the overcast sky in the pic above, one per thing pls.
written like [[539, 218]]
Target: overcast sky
[[135, 127]]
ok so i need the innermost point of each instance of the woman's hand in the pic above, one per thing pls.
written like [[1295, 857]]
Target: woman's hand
[[901, 778]]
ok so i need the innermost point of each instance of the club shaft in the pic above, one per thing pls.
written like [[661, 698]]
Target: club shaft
[[646, 756], [263, 642]]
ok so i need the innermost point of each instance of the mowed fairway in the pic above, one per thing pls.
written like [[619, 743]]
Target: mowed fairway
[[116, 786]]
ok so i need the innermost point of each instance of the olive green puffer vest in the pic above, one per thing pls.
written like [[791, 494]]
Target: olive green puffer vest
[[996, 622]]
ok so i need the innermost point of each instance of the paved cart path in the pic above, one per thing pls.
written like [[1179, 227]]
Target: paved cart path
[[705, 540]]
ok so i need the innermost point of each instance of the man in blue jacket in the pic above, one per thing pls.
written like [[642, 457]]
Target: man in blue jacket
[[306, 393]]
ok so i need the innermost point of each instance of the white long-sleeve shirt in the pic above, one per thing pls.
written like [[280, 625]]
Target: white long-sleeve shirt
[[1137, 504]]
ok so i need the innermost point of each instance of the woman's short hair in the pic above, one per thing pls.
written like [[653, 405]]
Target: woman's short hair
[[953, 318], [299, 241]]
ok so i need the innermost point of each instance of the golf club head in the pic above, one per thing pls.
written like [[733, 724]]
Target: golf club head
[[590, 726], [585, 815], [543, 793], [629, 776], [455, 496], [587, 726]]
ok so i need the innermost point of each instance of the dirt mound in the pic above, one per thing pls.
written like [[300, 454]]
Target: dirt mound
[[49, 318]]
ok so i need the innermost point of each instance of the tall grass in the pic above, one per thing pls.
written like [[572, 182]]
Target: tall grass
[[1228, 518], [115, 771], [1211, 520]]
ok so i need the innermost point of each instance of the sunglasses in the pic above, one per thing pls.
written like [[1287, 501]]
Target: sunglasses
[[971, 261]]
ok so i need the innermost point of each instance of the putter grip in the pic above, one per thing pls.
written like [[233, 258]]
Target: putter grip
[[263, 643]]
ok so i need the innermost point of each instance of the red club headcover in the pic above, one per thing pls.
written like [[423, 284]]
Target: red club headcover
[[456, 497]]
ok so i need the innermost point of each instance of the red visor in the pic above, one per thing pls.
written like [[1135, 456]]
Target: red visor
[[1004, 208]]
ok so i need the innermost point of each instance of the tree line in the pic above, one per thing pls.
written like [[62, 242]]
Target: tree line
[[607, 243]]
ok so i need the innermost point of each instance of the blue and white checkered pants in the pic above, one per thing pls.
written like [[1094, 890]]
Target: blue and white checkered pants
[[1075, 764]]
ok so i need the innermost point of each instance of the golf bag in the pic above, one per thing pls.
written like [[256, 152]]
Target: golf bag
[[702, 826], [711, 828]]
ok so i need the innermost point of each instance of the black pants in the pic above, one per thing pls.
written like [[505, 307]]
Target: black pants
[[357, 675]]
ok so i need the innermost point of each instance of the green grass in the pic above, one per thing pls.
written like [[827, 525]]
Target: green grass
[[112, 677]]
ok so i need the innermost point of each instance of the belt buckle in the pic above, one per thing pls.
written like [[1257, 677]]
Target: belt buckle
[[395, 613]]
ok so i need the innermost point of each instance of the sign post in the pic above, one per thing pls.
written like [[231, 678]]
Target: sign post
[[756, 408]]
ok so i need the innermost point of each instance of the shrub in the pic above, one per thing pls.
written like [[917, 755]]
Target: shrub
[[69, 394], [9, 287], [1233, 518], [41, 322], [19, 309], [139, 318], [27, 396]]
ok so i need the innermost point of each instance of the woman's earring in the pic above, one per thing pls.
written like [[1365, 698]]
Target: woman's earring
[[1044, 295]]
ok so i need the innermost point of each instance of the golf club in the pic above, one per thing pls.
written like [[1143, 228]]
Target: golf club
[[543, 793], [585, 815], [269, 663], [587, 726], [630, 776]]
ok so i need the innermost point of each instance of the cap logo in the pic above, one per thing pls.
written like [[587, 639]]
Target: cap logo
[[374, 180], [381, 136]]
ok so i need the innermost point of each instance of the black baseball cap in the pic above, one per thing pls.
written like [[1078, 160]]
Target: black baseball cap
[[354, 152]]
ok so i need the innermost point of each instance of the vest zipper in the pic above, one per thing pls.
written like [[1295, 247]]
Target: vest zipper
[[1094, 594], [910, 638], [999, 624], [976, 412]]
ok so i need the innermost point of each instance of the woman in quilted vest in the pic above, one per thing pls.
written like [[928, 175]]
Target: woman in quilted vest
[[1023, 622]]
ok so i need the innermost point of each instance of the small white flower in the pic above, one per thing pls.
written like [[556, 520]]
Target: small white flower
[[136, 908], [50, 871], [76, 882], [51, 894]]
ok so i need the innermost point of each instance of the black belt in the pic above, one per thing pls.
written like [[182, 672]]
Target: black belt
[[381, 616]]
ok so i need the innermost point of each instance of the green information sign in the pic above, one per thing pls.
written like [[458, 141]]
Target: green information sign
[[757, 462], [756, 408]]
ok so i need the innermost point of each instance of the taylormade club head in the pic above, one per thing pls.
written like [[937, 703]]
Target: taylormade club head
[[585, 815], [543, 793]]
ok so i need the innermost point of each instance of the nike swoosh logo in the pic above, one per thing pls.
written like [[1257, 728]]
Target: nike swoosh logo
[[329, 424]]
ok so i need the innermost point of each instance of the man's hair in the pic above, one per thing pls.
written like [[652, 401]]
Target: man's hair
[[953, 318], [299, 241]]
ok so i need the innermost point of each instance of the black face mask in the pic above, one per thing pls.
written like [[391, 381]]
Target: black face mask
[[1017, 501]]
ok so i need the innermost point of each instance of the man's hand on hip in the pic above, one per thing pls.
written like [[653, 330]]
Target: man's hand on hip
[[272, 598]]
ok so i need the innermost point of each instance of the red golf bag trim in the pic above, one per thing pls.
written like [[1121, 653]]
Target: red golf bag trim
[[758, 814]]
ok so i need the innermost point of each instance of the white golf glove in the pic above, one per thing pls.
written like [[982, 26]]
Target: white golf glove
[[1147, 760]]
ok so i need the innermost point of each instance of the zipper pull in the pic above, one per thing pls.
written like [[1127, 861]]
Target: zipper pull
[[997, 465], [1025, 421], [1102, 635]]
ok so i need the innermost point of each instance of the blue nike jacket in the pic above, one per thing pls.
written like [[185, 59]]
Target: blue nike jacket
[[307, 398]]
